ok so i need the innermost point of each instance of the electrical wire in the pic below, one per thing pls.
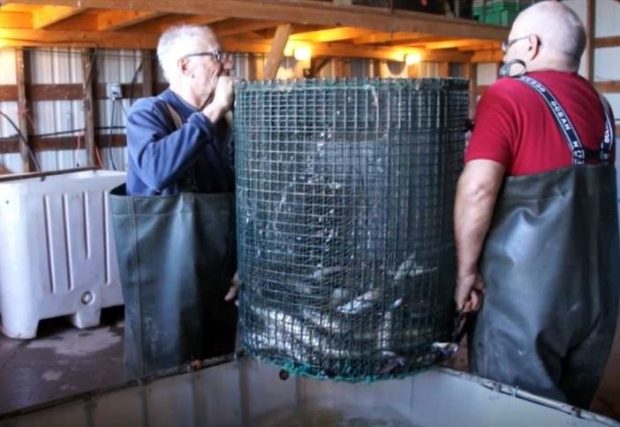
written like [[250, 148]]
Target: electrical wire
[[110, 156], [24, 141], [134, 79]]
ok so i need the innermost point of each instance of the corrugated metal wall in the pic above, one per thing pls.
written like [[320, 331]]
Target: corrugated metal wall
[[61, 118], [116, 66]]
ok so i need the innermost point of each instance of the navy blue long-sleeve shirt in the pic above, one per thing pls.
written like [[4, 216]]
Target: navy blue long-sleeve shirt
[[164, 160]]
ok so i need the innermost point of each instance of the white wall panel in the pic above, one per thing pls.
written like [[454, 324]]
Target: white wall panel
[[10, 109], [7, 65], [607, 63], [118, 65], [607, 18], [487, 74], [12, 161]]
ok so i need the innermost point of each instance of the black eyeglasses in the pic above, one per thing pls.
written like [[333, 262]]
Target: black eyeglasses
[[507, 43], [218, 55]]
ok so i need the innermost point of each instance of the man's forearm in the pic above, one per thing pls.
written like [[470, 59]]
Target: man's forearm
[[473, 210]]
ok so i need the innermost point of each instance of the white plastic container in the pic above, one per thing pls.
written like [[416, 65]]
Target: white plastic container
[[246, 393], [57, 255]]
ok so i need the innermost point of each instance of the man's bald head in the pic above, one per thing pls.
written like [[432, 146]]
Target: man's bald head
[[561, 33]]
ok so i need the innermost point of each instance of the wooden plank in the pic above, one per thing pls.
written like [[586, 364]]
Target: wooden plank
[[611, 86], [15, 20], [23, 109], [277, 51], [90, 105], [231, 27], [159, 25], [49, 15], [451, 44], [349, 51], [84, 22], [18, 37], [389, 53], [304, 12], [613, 41], [54, 92], [487, 56], [590, 29], [56, 143], [9, 145], [400, 37], [8, 93], [331, 35], [113, 20]]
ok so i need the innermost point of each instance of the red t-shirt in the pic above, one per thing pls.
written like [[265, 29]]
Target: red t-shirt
[[514, 126]]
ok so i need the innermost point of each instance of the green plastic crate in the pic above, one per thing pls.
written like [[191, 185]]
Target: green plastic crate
[[499, 12]]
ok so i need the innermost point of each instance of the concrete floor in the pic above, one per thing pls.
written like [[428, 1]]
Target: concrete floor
[[61, 361], [64, 361]]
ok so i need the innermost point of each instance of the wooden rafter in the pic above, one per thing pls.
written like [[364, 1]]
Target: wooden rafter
[[113, 20], [303, 11], [234, 26], [234, 44], [78, 38], [277, 51], [463, 44], [331, 35], [15, 20], [399, 37], [49, 15], [158, 25]]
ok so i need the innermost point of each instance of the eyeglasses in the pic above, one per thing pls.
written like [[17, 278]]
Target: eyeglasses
[[506, 44], [219, 55]]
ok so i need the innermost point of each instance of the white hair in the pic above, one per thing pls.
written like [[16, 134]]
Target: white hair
[[178, 41]]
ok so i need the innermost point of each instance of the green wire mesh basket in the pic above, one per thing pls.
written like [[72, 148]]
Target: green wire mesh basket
[[344, 222]]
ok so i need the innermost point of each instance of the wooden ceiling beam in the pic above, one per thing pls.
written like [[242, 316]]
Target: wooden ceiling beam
[[235, 44], [453, 44], [306, 12], [378, 38], [331, 35], [159, 25], [15, 20], [235, 26], [495, 56], [113, 20], [49, 15], [113, 40]]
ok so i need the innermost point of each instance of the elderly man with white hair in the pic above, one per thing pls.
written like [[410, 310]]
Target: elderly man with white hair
[[174, 219], [536, 217]]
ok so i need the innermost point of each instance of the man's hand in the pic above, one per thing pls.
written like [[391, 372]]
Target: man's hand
[[234, 288], [469, 293], [222, 100]]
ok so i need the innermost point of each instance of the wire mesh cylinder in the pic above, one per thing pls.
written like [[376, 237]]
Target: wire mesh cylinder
[[344, 222]]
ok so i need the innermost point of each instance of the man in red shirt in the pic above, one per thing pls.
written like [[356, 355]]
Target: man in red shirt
[[536, 217]]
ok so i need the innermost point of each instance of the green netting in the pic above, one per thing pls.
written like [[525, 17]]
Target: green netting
[[344, 222]]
